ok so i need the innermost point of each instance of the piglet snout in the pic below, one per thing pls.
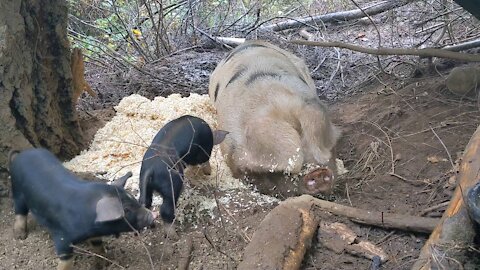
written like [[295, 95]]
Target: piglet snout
[[155, 214]]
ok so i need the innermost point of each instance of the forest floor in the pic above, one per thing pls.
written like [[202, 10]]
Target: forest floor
[[411, 126]]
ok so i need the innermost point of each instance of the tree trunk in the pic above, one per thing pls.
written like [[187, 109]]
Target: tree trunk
[[36, 105]]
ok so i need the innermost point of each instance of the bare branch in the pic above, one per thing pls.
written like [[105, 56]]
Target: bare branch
[[427, 52], [337, 16]]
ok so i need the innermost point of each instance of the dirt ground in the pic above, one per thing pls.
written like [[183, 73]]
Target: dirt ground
[[413, 127], [402, 137]]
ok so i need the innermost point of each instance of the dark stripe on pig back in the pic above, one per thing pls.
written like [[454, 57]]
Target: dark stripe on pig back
[[297, 73], [242, 48], [259, 75], [216, 91], [237, 75], [302, 79]]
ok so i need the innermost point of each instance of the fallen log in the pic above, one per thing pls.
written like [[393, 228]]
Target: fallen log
[[375, 218], [455, 228], [336, 16], [282, 238], [463, 46]]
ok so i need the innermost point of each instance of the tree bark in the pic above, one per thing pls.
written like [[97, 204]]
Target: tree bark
[[36, 102]]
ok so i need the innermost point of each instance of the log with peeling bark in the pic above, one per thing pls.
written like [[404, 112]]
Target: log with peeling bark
[[455, 228], [282, 238], [337, 16]]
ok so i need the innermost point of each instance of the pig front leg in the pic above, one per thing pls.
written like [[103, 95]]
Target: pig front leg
[[170, 190], [167, 212], [65, 263], [64, 251]]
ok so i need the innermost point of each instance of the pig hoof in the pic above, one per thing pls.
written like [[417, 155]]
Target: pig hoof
[[20, 227], [66, 264], [318, 181]]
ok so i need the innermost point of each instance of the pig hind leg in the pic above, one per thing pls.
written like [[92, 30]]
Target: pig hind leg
[[20, 226], [271, 145]]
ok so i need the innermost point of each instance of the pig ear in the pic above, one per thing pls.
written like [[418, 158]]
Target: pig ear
[[120, 182], [12, 155], [219, 136], [109, 209]]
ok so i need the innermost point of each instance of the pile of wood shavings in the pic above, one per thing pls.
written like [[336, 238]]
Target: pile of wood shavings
[[119, 146]]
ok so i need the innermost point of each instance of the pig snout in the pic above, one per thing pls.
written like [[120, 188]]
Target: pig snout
[[319, 180], [147, 217]]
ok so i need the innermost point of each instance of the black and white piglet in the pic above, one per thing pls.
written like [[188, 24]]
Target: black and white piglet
[[73, 210], [187, 140]]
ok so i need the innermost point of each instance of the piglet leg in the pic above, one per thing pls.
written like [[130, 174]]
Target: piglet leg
[[20, 227], [65, 264]]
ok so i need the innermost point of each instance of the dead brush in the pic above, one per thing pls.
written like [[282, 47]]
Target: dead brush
[[367, 165]]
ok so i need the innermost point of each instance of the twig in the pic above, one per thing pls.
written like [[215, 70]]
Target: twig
[[378, 34], [392, 157], [444, 147], [132, 39], [215, 247], [432, 208], [384, 238], [415, 183], [348, 195], [88, 252], [426, 52]]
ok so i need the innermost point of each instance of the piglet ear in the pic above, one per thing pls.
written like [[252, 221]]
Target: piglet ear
[[120, 182], [109, 209], [219, 136]]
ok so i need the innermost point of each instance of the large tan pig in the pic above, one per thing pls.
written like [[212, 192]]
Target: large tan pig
[[267, 100]]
